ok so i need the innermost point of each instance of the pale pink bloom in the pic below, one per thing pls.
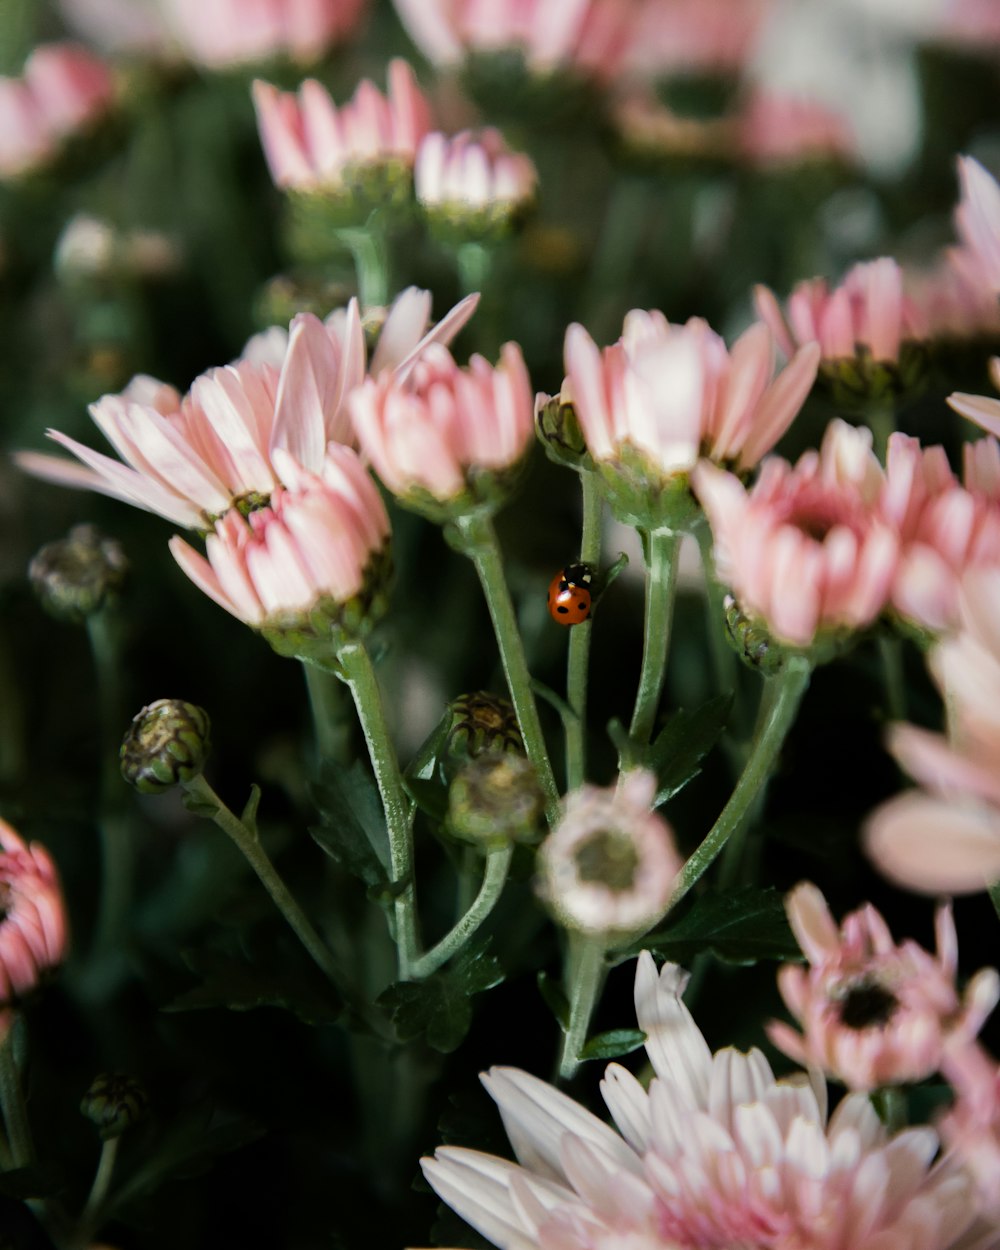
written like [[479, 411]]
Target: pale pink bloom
[[441, 427], [120, 26], [954, 299], [982, 409], [696, 36], [784, 130], [972, 23], [34, 936], [675, 393], [217, 33], [473, 171], [592, 36], [977, 218], [872, 1012], [971, 1128], [805, 549], [716, 1154], [946, 838], [189, 459], [314, 542], [610, 865], [867, 312], [311, 144]]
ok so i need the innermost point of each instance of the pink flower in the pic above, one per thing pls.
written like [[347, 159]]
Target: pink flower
[[33, 930], [789, 130], [445, 431], [120, 26], [945, 839], [971, 1129], [675, 393], [191, 459], [954, 299], [696, 36], [235, 32], [315, 544], [473, 175], [63, 89], [805, 549], [715, 1154], [873, 1013], [610, 864], [977, 218], [312, 145], [867, 312]]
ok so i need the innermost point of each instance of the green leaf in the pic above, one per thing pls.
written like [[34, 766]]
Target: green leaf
[[353, 831], [234, 982], [612, 1044], [200, 806], [739, 926], [430, 796], [249, 814], [440, 1007], [556, 1001], [683, 743]]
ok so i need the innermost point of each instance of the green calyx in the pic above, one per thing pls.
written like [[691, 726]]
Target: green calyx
[[496, 799], [167, 743], [113, 1103], [480, 724], [859, 382], [642, 495]]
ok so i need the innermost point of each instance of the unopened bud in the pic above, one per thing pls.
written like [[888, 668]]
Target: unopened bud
[[496, 799], [114, 1103], [481, 723], [750, 639], [78, 575], [167, 743], [558, 429]]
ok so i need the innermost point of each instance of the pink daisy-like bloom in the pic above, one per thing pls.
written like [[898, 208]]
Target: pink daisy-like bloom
[[945, 839], [696, 36], [971, 1128], [977, 218], [34, 935], [217, 33], [805, 549], [675, 393], [955, 301], [312, 145], [873, 1013], [446, 432], [610, 865], [473, 175], [716, 1154], [190, 459], [121, 27], [313, 544], [775, 130]]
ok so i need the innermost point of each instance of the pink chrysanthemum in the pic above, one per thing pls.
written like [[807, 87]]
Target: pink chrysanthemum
[[33, 931], [191, 459], [971, 1128], [610, 865], [954, 299], [311, 144], [696, 36], [805, 550], [873, 1013], [473, 174], [218, 33], [715, 1155], [782, 131], [977, 217]]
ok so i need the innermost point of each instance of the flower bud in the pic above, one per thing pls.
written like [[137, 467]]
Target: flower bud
[[558, 430], [78, 575], [114, 1103], [495, 799], [167, 743], [750, 640], [481, 724]]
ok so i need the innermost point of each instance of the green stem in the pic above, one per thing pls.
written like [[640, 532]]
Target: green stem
[[367, 245], [327, 707], [15, 1112], [882, 421], [479, 543], [360, 677], [494, 878], [890, 1103], [474, 261], [891, 651], [99, 1189], [779, 708], [661, 582], [723, 656], [578, 659], [248, 843], [586, 970]]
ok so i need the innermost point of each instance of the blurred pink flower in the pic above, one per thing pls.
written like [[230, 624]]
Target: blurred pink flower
[[312, 145], [873, 1013], [696, 36], [34, 935], [610, 865], [945, 839], [190, 459], [805, 549], [867, 312], [971, 1128], [715, 1154], [314, 543], [977, 218], [982, 409], [236, 32], [588, 35], [472, 173], [121, 26], [953, 297], [776, 130], [63, 89], [445, 431], [674, 393]]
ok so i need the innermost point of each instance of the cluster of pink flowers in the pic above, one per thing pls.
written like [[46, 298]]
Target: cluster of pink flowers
[[63, 89], [34, 936], [472, 173]]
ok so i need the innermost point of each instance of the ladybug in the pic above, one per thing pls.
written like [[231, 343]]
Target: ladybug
[[569, 594]]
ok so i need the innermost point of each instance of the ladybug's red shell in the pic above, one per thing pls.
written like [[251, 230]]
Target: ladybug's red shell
[[569, 594]]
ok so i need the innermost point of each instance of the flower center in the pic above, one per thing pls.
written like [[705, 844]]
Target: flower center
[[608, 858], [867, 1005]]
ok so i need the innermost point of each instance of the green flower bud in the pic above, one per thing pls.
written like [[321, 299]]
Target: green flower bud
[[114, 1103], [167, 743], [480, 724], [495, 799], [559, 432], [78, 575]]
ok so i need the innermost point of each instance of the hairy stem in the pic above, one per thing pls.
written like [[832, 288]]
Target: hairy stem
[[579, 642], [661, 582]]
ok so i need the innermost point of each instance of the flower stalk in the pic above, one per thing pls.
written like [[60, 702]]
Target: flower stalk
[[662, 546], [369, 250], [578, 660], [494, 879], [15, 1111], [585, 973]]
